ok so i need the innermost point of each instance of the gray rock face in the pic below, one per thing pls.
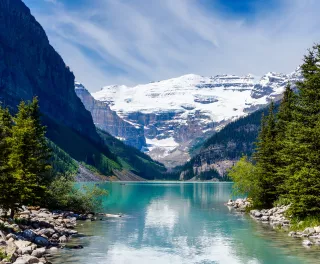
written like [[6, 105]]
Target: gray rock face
[[109, 121], [29, 66]]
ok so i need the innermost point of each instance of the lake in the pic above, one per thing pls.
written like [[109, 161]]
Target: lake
[[175, 223]]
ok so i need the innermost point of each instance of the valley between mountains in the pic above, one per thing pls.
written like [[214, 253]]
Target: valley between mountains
[[189, 127], [171, 120]]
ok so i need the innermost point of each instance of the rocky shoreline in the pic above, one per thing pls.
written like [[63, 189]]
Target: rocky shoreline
[[276, 218], [36, 233]]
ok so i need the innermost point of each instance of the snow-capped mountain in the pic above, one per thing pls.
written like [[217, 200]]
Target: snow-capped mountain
[[177, 113]]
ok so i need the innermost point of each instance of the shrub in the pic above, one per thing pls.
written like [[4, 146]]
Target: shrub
[[63, 195]]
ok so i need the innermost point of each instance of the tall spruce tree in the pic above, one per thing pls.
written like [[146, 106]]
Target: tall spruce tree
[[41, 150], [5, 170], [284, 117], [266, 160], [302, 151], [28, 158]]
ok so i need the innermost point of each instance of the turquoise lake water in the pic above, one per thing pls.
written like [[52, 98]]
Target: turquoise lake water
[[180, 223]]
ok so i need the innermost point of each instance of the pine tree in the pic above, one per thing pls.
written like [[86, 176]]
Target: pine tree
[[266, 160], [302, 151], [285, 113], [5, 175], [284, 117], [41, 150], [28, 158]]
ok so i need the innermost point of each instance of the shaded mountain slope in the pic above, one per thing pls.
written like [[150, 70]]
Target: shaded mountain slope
[[29, 66], [224, 148]]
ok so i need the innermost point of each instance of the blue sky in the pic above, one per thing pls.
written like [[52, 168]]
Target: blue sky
[[138, 41]]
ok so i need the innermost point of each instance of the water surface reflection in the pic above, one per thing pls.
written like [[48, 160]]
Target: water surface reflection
[[180, 223]]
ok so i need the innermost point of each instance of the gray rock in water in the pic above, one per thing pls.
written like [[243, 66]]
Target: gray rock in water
[[307, 243], [63, 239], [309, 231], [257, 214]]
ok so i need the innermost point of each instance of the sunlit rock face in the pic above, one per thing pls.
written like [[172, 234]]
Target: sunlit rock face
[[178, 113], [108, 120]]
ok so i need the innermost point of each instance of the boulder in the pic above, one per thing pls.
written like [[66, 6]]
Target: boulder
[[307, 243], [63, 239], [22, 243], [52, 249], [26, 259], [48, 232], [309, 231], [11, 248], [26, 250], [41, 241], [29, 234], [257, 214], [38, 253]]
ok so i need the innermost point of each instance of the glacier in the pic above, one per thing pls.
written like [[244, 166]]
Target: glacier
[[179, 113]]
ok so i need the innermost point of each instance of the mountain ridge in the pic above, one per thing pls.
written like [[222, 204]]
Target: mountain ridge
[[178, 113]]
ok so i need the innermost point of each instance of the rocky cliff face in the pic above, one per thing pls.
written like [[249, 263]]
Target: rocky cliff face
[[108, 120], [29, 67], [179, 113]]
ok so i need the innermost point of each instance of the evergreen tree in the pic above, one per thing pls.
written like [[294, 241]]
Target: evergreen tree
[[284, 117], [28, 158], [266, 160], [41, 150], [5, 175], [302, 151]]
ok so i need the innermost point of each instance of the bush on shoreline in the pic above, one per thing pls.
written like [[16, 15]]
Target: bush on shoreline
[[63, 195]]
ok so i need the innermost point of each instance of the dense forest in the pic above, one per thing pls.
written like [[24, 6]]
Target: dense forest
[[285, 167]]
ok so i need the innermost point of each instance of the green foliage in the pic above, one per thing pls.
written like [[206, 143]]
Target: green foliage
[[301, 155], [80, 148], [281, 201], [287, 156], [300, 224], [243, 174], [3, 254], [133, 159], [266, 157], [61, 162], [25, 158], [6, 124], [26, 174], [63, 195]]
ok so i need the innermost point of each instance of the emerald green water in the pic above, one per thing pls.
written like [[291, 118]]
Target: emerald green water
[[180, 223]]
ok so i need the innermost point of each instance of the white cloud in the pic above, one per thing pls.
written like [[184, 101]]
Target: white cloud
[[55, 2], [132, 42]]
